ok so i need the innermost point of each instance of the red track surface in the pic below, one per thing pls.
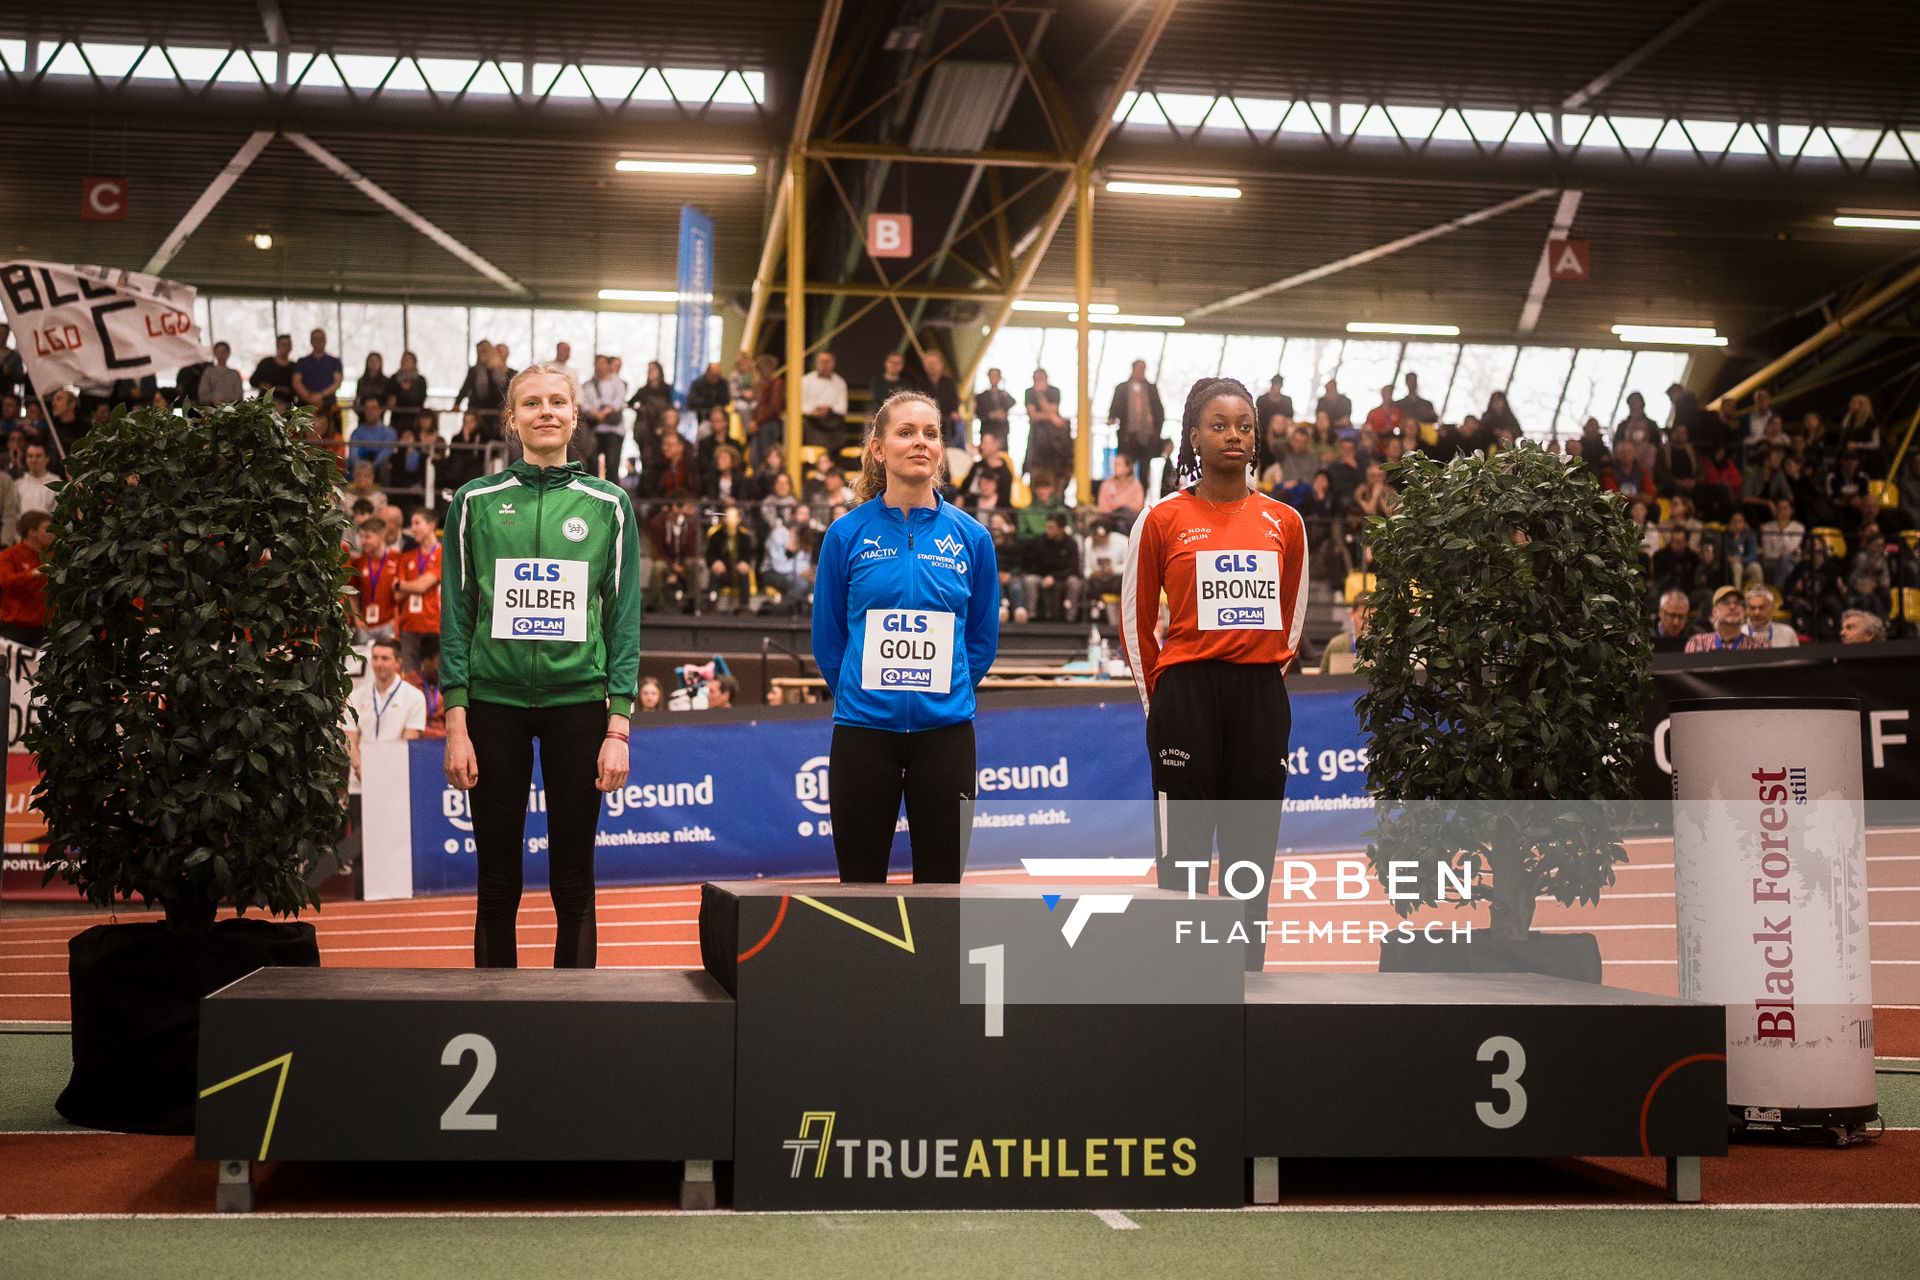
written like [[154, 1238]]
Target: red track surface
[[657, 927]]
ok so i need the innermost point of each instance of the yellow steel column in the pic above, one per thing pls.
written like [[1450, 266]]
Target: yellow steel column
[[796, 304], [1083, 299]]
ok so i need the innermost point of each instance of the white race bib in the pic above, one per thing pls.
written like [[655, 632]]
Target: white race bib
[[416, 604], [1237, 590], [908, 649], [540, 600]]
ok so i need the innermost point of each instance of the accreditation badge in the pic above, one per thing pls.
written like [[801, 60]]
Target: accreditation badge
[[908, 650], [540, 600], [1237, 590]]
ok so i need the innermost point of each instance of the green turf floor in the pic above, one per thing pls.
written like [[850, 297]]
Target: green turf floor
[[1603, 1245]]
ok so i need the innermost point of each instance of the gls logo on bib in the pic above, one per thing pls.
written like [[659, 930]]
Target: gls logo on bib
[[1237, 590]]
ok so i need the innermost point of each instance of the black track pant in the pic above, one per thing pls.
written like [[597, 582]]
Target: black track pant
[[570, 740], [1218, 731], [867, 772]]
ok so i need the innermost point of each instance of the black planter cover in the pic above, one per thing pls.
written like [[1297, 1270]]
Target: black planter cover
[[1558, 955], [136, 1013]]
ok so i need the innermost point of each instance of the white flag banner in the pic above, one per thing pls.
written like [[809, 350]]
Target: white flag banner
[[96, 325]]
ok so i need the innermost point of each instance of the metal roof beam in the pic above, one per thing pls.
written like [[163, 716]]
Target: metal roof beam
[[208, 201], [1597, 86], [1543, 272], [1374, 254]]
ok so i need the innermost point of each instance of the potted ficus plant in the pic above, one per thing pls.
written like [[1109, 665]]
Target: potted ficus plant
[[188, 728], [1507, 660]]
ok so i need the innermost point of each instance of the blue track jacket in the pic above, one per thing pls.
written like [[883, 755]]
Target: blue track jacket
[[905, 572]]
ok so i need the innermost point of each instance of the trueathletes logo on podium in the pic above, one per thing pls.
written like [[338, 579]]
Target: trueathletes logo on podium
[[818, 1154]]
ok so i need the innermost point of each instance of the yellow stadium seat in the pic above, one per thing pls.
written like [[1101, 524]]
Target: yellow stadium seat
[[1666, 511], [1882, 490], [1835, 540], [1357, 584]]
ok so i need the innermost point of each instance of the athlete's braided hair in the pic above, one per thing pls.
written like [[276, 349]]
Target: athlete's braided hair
[[1204, 390]]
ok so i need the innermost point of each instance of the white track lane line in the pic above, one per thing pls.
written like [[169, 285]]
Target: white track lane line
[[1116, 1219]]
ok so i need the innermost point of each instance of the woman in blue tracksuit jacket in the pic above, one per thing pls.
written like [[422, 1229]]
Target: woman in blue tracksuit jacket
[[906, 621]]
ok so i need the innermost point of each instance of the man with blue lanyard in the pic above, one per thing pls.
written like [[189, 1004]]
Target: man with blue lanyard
[[384, 708]]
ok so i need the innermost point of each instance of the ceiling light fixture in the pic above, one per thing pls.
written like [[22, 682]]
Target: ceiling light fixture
[[1670, 335], [1427, 330], [707, 168], [261, 240], [639, 295], [1877, 222], [1064, 308], [1163, 322], [1193, 189]]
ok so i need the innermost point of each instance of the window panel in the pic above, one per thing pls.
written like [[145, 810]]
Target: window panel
[[1432, 363], [367, 328], [1652, 373], [299, 319], [1534, 393], [1253, 360], [246, 325], [1598, 373], [438, 335], [634, 336], [1188, 357], [511, 325], [1483, 370], [1365, 367], [1307, 364], [575, 328]]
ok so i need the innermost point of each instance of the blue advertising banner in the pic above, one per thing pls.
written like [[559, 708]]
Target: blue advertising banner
[[695, 285], [747, 799]]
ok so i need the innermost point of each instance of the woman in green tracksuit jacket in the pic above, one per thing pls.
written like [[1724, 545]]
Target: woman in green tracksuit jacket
[[539, 639]]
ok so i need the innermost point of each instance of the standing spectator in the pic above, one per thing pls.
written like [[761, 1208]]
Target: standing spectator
[[485, 388], [219, 383], [37, 488], [708, 392], [1729, 626], [1383, 421], [1760, 607], [376, 574], [788, 564], [891, 382], [1860, 429], [563, 356], [1498, 422], [1043, 405], [274, 373], [769, 411], [1344, 475], [1053, 570], [1415, 408], [1337, 407], [1637, 426], [383, 709], [991, 409], [730, 557], [1276, 403], [1686, 412], [23, 582], [466, 453], [1122, 499], [1858, 626], [407, 397], [317, 376], [426, 678], [1137, 412], [650, 404], [823, 399], [741, 386], [373, 380], [1049, 451], [1674, 627], [417, 591], [1760, 416], [603, 404], [946, 394]]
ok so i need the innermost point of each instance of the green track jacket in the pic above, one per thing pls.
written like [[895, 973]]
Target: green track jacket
[[540, 598]]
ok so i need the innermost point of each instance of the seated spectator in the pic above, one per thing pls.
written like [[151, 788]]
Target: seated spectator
[[1720, 482], [1742, 550], [427, 680], [1341, 651], [1009, 553], [1844, 486], [1680, 516], [675, 469], [1729, 626], [1780, 542], [678, 576], [1816, 592], [1630, 474], [37, 488], [652, 695], [371, 432], [274, 374], [779, 504], [833, 500], [1344, 476], [1858, 626], [708, 392], [730, 557], [788, 563], [1384, 420], [891, 382], [1031, 522], [1860, 430], [1760, 610], [1054, 583], [1121, 498], [1104, 564], [1673, 625], [722, 691], [1870, 574], [1713, 573], [407, 468], [1375, 497], [769, 427], [466, 454], [361, 486], [726, 483], [1765, 481], [23, 581], [1650, 539], [1676, 567], [990, 468]]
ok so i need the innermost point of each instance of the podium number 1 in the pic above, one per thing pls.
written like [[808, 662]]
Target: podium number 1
[[1506, 1081], [994, 960], [459, 1113]]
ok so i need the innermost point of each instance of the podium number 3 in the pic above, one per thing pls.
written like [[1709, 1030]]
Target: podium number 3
[[459, 1114], [1506, 1081]]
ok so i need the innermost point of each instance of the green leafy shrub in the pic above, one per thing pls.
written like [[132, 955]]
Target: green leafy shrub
[[190, 689], [1507, 659]]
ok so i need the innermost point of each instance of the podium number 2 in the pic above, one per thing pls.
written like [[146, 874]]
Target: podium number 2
[[1506, 1081], [459, 1113]]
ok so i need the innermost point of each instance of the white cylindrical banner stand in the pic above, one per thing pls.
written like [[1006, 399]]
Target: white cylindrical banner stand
[[1770, 880]]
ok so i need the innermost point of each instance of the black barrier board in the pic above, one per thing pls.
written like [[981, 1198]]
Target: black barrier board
[[1428, 1064], [494, 1064], [872, 1073]]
